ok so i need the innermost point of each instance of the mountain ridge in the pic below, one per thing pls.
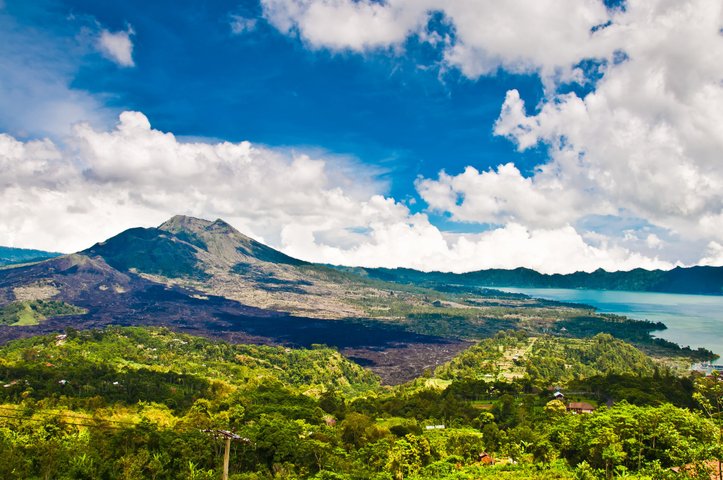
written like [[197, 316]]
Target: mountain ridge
[[13, 256], [707, 280]]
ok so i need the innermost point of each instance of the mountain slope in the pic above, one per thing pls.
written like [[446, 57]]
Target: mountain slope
[[216, 259]]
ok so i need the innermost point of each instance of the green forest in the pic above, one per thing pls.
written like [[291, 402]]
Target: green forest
[[147, 403]]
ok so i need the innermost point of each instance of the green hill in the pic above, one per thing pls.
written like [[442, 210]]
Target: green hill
[[156, 365]]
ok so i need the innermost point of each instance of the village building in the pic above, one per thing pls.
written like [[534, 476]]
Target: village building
[[580, 407]]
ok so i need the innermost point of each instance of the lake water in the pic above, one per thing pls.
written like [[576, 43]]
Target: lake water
[[692, 320]]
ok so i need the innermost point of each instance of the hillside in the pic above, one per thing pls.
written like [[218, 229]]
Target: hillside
[[690, 280], [130, 364], [140, 403], [547, 360]]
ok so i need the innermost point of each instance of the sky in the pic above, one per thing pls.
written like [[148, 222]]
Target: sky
[[455, 135]]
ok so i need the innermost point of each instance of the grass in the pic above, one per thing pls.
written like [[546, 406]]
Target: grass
[[26, 313], [27, 316]]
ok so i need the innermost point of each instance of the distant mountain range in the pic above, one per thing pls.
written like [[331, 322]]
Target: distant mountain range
[[11, 256], [690, 280]]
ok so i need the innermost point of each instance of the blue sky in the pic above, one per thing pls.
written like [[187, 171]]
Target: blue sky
[[513, 126], [193, 76]]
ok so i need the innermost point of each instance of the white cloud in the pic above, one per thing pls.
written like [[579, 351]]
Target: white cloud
[[117, 46], [344, 24], [66, 198], [517, 35], [653, 241], [418, 244], [240, 25], [105, 181], [498, 196], [644, 142], [648, 138]]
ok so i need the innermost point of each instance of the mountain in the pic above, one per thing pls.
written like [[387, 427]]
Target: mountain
[[12, 256], [216, 259], [691, 280], [206, 278], [188, 247]]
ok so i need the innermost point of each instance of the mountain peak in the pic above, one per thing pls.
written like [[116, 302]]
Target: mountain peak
[[179, 223], [197, 226]]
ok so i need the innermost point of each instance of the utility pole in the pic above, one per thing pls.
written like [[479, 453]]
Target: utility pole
[[228, 436], [226, 458]]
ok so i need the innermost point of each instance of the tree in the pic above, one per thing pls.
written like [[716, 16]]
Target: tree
[[709, 395], [407, 456], [555, 408]]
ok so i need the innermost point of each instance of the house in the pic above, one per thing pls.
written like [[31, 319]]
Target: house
[[580, 407], [558, 395], [486, 459]]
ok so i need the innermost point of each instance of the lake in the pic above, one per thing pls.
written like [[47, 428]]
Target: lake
[[692, 320]]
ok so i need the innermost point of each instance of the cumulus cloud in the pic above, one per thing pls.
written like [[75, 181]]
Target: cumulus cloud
[[516, 35], [499, 196], [648, 138], [643, 141], [418, 244], [134, 174], [117, 46], [345, 24], [103, 181]]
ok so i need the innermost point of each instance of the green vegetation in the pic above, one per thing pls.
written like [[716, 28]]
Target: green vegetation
[[163, 254], [132, 403], [547, 360], [35, 311]]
